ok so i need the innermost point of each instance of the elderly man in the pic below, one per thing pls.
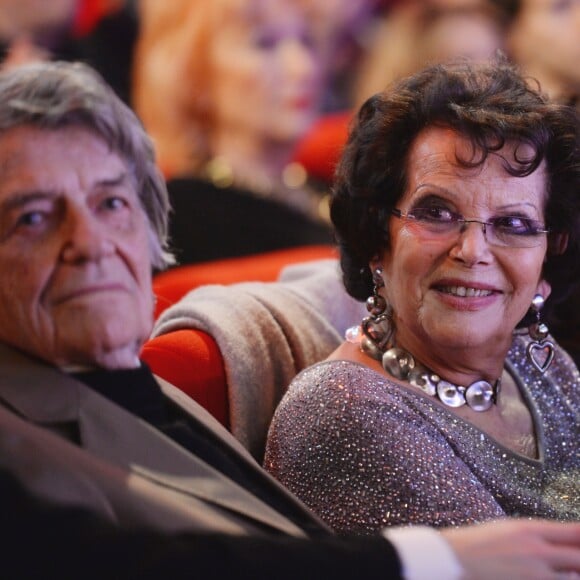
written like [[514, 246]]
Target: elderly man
[[107, 467]]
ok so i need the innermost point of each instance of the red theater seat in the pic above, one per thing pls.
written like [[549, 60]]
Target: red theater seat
[[320, 149], [190, 359], [173, 284]]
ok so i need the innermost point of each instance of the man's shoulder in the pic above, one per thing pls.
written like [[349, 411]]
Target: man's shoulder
[[189, 408]]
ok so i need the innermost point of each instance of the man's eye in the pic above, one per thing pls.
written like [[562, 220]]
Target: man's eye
[[433, 214], [515, 225], [31, 219], [114, 203]]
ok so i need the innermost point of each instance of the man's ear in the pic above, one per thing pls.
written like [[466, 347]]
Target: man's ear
[[557, 243]]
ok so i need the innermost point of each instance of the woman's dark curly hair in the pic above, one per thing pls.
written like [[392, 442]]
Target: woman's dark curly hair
[[490, 105]]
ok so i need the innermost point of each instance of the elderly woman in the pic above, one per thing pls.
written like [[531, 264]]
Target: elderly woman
[[456, 207], [227, 89]]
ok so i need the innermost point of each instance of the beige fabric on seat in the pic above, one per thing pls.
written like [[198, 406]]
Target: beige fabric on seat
[[267, 333]]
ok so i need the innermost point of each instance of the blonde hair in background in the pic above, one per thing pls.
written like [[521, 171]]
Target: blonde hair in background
[[173, 73], [172, 80]]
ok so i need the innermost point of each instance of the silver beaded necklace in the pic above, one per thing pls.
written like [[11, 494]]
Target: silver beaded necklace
[[479, 396]]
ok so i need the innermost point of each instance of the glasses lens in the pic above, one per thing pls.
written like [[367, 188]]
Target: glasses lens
[[515, 231], [435, 219], [510, 231]]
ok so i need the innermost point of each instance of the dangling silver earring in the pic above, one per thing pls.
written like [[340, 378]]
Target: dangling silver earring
[[540, 351], [378, 328]]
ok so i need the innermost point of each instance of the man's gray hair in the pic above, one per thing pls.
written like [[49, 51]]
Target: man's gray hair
[[53, 95]]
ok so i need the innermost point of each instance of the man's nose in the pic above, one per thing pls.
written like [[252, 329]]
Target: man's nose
[[85, 237]]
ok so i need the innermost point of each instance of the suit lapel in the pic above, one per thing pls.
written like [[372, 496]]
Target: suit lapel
[[126, 440], [198, 414], [45, 396]]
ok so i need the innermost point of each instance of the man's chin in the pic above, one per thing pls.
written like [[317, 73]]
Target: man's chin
[[113, 345], [106, 333], [105, 356]]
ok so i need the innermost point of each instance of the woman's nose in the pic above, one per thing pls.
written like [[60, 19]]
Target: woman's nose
[[300, 59], [471, 245]]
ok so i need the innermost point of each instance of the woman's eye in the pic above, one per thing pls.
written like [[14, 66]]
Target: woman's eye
[[515, 225], [560, 6], [434, 214], [266, 41], [308, 40]]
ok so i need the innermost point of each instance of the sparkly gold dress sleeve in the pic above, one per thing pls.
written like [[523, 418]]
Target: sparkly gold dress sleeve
[[365, 453]]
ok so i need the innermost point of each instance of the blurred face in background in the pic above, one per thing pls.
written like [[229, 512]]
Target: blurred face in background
[[266, 71], [545, 40], [36, 18], [462, 33]]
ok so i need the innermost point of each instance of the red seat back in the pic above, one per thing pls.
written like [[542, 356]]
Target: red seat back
[[190, 359]]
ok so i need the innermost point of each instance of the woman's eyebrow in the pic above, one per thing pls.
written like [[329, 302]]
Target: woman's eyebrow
[[431, 187], [518, 205]]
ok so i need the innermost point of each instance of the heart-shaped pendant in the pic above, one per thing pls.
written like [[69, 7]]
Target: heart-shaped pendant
[[541, 354], [378, 329]]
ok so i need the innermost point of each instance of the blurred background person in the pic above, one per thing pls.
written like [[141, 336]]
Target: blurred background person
[[101, 33], [416, 33], [544, 39], [344, 30], [399, 40], [227, 89]]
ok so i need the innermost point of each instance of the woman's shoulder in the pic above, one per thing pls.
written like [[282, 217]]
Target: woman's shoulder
[[335, 373], [345, 387], [336, 401]]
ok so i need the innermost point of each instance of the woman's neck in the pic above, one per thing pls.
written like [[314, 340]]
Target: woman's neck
[[257, 164], [461, 365], [265, 168]]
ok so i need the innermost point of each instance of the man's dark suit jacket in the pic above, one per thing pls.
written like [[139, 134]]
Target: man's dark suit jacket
[[68, 542], [89, 488]]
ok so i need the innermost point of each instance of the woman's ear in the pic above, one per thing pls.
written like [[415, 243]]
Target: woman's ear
[[557, 243], [377, 261], [544, 288]]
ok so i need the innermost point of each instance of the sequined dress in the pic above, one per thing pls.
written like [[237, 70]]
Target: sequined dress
[[364, 452]]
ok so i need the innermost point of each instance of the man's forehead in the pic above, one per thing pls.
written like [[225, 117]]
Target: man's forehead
[[9, 161], [28, 152]]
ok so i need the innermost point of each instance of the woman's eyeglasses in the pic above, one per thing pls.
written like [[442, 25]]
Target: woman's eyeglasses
[[506, 231]]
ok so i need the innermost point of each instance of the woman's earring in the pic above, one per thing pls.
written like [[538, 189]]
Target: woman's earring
[[378, 328], [540, 351], [376, 304]]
